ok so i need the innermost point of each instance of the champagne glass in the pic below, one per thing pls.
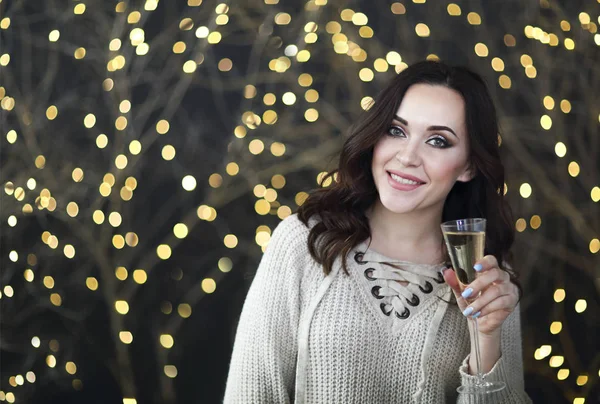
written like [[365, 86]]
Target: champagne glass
[[465, 241]]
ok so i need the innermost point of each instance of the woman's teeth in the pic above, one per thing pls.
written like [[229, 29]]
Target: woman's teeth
[[403, 180]]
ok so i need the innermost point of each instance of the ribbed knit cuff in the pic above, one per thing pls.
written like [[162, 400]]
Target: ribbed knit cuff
[[497, 373]]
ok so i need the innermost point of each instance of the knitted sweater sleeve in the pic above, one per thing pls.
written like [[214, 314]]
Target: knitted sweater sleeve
[[262, 368], [509, 368]]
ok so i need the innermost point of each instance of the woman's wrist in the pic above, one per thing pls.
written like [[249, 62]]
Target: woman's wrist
[[490, 352]]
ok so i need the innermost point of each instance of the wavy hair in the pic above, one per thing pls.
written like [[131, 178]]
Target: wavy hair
[[340, 208]]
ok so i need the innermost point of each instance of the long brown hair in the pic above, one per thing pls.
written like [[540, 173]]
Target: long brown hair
[[340, 208]]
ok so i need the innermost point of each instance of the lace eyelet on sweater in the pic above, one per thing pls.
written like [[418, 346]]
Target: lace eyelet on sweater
[[440, 278], [358, 258], [404, 315], [387, 313], [428, 287], [375, 292], [369, 274], [414, 301]]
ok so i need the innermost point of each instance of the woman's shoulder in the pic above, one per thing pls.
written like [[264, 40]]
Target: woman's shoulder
[[292, 229]]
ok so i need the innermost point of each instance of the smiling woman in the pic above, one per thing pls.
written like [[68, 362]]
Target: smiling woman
[[351, 300]]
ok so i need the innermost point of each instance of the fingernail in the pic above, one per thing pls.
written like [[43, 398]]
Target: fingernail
[[467, 292], [476, 314], [478, 267], [468, 311]]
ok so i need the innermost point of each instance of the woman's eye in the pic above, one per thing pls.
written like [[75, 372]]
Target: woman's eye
[[439, 142], [395, 131]]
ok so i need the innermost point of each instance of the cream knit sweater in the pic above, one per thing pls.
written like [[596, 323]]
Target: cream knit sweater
[[308, 338]]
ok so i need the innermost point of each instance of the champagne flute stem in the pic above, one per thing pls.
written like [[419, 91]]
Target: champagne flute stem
[[477, 352]]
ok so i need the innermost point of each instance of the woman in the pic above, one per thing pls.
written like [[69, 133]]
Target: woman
[[352, 301]]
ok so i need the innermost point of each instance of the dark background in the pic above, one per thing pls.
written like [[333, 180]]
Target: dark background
[[215, 113]]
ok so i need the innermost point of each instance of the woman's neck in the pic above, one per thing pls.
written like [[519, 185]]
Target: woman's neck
[[414, 237]]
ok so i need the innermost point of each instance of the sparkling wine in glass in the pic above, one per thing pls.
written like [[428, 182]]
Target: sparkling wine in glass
[[465, 241]]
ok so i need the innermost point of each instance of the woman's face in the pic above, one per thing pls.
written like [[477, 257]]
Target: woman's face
[[424, 151]]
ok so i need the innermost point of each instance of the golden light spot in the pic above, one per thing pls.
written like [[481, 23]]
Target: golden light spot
[[270, 117], [277, 149], [79, 53], [311, 115], [565, 25], [71, 368], [188, 183], [11, 136], [121, 161], [270, 195], [454, 9], [69, 251], [4, 59], [366, 103], [580, 305], [422, 30], [225, 65], [359, 19], [481, 50], [131, 239], [525, 190], [89, 121], [184, 310], [283, 212], [91, 283], [126, 337], [222, 19], [579, 400], [559, 295], [582, 380], [549, 102], [31, 183], [365, 32], [546, 122], [121, 273], [202, 32], [214, 38], [134, 17], [535, 222], [135, 147], [520, 225], [225, 264], [55, 299], [573, 169], [114, 45], [215, 180], [262, 238], [209, 285], [560, 149], [50, 361], [232, 169], [122, 307], [311, 95], [162, 126], [206, 213], [300, 198], [5, 23], [398, 8], [230, 241], [98, 217], [556, 361], [51, 112], [35, 342], [595, 194], [474, 18], [504, 82], [278, 181], [166, 340], [555, 327], [115, 219], [13, 256], [79, 8], [282, 18], [168, 152], [498, 64], [163, 251], [118, 241], [565, 106], [170, 371], [140, 276], [256, 146], [180, 230], [28, 275], [562, 374], [569, 44], [108, 84]]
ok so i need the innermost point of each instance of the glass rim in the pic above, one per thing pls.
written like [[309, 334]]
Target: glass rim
[[466, 221]]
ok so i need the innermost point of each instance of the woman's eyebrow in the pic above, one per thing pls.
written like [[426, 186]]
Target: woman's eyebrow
[[433, 127]]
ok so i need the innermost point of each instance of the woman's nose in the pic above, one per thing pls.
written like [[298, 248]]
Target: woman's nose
[[409, 154]]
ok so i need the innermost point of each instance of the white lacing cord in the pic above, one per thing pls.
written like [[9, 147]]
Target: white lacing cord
[[403, 296]]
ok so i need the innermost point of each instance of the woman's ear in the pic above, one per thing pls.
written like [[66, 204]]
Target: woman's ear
[[468, 174]]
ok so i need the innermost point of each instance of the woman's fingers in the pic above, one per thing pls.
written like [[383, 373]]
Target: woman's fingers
[[500, 296], [484, 280]]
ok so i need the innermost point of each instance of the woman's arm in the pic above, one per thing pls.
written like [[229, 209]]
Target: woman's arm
[[262, 368]]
